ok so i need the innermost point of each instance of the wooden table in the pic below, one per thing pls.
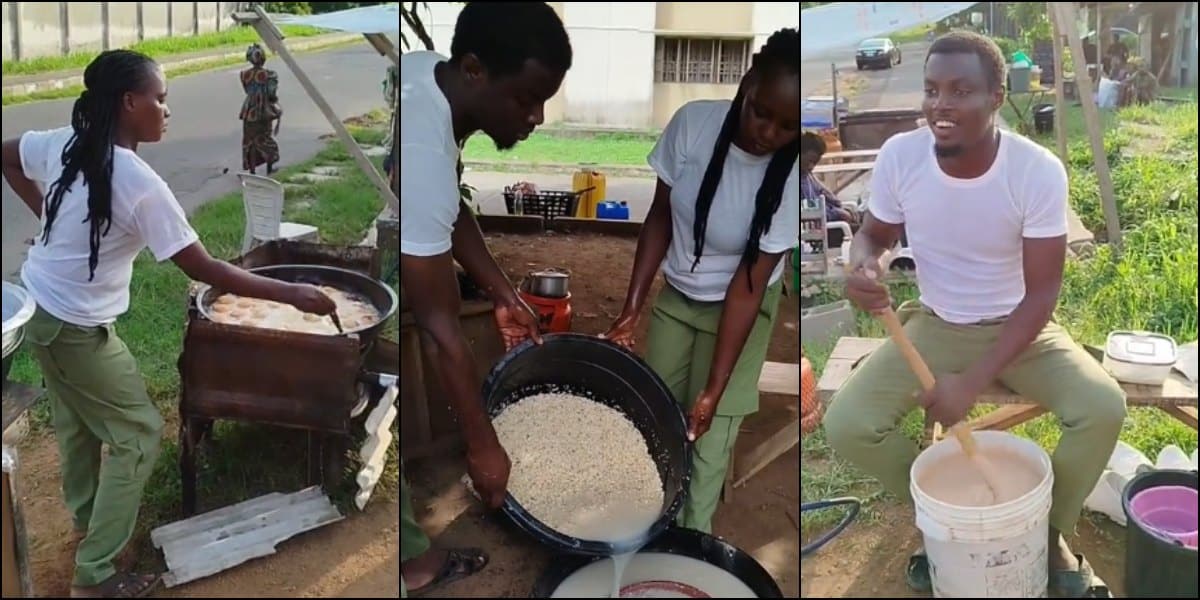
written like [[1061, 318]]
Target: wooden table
[[1025, 120], [832, 174], [845, 156], [1176, 397], [18, 398]]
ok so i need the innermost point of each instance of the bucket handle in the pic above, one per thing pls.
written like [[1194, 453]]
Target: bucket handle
[[854, 503]]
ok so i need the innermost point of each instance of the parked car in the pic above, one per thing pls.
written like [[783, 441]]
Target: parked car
[[877, 52]]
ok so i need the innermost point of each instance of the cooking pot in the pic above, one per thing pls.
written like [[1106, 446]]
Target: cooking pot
[[381, 296], [548, 284], [18, 309]]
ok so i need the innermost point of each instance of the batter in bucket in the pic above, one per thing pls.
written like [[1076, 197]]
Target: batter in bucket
[[956, 480]]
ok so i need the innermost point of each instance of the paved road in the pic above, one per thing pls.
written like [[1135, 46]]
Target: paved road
[[636, 192], [204, 139], [898, 87]]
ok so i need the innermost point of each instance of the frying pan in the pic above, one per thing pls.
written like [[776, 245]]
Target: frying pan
[[381, 296]]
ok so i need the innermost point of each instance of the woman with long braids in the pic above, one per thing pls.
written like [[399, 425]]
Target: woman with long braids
[[725, 212], [99, 205]]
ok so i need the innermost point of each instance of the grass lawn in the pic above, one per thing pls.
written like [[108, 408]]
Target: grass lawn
[[231, 39], [171, 71], [604, 148]]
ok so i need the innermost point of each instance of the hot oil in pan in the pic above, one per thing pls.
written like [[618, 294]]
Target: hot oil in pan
[[354, 311]]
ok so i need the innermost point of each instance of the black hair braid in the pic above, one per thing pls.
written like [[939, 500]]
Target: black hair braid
[[780, 55], [90, 148]]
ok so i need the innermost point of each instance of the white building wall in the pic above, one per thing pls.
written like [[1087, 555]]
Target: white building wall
[[611, 83], [769, 17], [612, 80]]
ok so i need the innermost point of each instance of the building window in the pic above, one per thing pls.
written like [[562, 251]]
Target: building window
[[685, 60]]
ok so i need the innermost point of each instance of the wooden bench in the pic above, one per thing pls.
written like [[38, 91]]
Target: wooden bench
[[831, 174], [844, 156], [775, 378], [1177, 397]]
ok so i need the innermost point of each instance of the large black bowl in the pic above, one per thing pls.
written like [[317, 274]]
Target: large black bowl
[[608, 374]]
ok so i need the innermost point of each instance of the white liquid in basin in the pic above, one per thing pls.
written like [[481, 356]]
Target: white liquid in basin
[[596, 579]]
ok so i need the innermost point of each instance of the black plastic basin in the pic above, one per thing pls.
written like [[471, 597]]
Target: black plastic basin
[[608, 374], [681, 542], [1154, 567]]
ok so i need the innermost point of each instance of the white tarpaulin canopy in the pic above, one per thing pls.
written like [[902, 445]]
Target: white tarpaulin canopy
[[380, 18], [841, 24]]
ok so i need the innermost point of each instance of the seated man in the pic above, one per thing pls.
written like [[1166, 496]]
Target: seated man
[[1140, 85], [987, 210], [812, 148]]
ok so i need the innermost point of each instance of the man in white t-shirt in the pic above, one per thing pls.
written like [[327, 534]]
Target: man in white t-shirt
[[986, 216], [507, 59]]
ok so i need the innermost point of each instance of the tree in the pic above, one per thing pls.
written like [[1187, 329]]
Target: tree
[[290, 8], [308, 8], [412, 17], [1031, 20]]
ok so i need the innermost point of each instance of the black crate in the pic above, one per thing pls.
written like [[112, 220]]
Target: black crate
[[547, 204]]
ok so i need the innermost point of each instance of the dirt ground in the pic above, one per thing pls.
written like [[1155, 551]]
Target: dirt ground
[[355, 558], [762, 518], [869, 559]]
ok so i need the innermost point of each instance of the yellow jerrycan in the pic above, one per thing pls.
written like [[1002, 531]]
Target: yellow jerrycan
[[587, 178]]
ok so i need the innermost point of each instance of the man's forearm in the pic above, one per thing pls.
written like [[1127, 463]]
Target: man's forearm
[[472, 253], [1021, 329], [864, 245], [458, 378]]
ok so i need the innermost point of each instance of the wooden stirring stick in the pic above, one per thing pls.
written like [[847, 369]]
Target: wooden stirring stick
[[960, 430]]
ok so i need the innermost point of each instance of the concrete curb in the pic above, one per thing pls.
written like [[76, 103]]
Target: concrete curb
[[492, 166], [54, 81]]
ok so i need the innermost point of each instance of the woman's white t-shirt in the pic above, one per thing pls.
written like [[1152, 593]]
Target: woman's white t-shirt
[[144, 214], [680, 159]]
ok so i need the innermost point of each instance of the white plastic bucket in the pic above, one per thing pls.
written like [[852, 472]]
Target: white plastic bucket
[[987, 552]]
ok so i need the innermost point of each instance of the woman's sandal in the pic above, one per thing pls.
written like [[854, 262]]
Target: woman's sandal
[[121, 585], [460, 564]]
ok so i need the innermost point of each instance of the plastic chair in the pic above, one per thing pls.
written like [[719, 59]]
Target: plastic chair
[[263, 199]]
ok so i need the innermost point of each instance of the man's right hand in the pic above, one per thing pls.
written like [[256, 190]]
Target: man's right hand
[[488, 466], [864, 285]]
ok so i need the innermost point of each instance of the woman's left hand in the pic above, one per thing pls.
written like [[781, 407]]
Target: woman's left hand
[[701, 415]]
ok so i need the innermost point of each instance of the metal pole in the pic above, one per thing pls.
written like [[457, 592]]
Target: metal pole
[[833, 69]]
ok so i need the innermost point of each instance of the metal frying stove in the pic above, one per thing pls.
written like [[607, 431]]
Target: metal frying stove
[[311, 382]]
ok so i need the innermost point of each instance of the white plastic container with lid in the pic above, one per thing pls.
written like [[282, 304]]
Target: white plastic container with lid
[[1140, 357]]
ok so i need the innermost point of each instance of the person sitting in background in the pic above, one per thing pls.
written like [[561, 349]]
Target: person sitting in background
[[1140, 85], [812, 148]]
